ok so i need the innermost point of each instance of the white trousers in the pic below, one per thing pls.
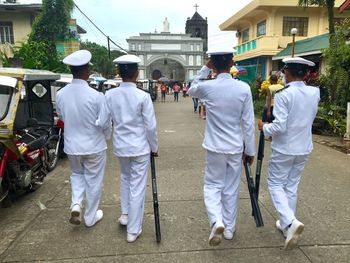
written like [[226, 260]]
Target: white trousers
[[221, 187], [283, 180], [87, 178], [133, 184]]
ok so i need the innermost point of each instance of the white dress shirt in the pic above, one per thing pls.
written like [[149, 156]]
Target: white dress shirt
[[79, 106], [229, 106], [295, 110], [134, 122]]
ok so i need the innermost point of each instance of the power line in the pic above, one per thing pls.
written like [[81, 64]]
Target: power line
[[109, 40]]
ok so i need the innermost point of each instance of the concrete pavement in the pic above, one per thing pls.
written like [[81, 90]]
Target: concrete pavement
[[29, 234]]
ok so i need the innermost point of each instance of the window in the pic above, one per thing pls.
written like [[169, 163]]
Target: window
[[139, 46], [261, 29], [301, 23], [190, 74], [190, 60], [142, 58], [6, 33], [198, 60], [192, 47], [198, 47], [5, 100], [133, 46], [141, 74], [245, 35]]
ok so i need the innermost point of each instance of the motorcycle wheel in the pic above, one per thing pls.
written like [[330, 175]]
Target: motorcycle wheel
[[52, 157], [61, 152], [5, 188]]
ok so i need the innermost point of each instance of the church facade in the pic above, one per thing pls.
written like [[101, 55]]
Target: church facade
[[174, 56]]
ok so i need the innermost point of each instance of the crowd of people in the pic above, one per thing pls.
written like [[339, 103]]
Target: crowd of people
[[229, 139], [172, 89]]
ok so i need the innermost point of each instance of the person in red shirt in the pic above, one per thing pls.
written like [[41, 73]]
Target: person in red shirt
[[176, 89], [163, 90]]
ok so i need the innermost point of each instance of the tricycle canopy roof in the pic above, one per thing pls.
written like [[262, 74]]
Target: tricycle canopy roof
[[29, 74], [8, 81]]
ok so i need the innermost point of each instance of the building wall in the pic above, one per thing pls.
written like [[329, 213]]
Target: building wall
[[318, 23], [21, 28], [177, 55], [21, 24], [273, 41]]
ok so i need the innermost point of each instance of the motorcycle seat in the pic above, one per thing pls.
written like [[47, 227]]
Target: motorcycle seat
[[37, 143]]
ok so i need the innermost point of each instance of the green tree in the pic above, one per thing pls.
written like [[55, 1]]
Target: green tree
[[329, 4], [51, 25], [38, 55], [100, 59], [337, 77]]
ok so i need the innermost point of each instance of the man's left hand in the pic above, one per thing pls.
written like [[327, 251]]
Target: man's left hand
[[260, 125]]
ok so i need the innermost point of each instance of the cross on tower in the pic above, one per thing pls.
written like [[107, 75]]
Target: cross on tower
[[196, 6]]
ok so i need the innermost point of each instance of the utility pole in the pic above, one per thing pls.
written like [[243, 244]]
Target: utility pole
[[293, 31], [109, 48]]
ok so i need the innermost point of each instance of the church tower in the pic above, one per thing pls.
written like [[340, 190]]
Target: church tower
[[197, 26]]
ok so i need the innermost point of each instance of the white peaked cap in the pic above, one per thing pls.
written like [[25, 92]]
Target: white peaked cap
[[127, 59], [297, 60], [221, 51], [78, 58]]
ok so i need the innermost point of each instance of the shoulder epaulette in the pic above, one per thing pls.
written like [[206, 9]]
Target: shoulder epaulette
[[205, 79], [286, 87]]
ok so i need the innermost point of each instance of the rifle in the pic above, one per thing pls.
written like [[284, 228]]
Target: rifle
[[155, 199], [259, 162], [253, 196]]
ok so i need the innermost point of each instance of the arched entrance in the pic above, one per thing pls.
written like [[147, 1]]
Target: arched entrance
[[168, 68]]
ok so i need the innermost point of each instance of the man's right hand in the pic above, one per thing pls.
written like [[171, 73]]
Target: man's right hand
[[210, 64], [247, 158], [155, 154]]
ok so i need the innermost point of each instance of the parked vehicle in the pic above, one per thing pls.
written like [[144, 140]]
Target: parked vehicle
[[28, 143], [64, 80], [150, 86], [111, 83]]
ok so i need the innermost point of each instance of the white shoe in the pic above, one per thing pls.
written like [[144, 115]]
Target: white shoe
[[216, 234], [228, 234], [132, 237], [293, 234], [123, 220], [75, 215], [278, 226], [98, 218]]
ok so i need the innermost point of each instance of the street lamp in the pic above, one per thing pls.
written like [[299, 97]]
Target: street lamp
[[293, 32]]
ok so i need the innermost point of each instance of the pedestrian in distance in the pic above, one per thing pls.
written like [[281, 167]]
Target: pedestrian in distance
[[294, 110], [78, 105], [176, 89], [229, 109], [267, 115], [163, 91], [134, 138], [184, 90], [202, 109]]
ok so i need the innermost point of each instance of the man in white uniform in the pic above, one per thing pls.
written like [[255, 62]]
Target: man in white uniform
[[294, 110], [229, 107], [78, 106], [134, 138]]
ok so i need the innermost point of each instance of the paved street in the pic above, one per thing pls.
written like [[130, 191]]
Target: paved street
[[29, 234]]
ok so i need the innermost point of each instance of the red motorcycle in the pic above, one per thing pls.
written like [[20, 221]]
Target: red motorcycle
[[28, 142]]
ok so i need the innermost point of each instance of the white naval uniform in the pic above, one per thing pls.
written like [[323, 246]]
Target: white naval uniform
[[79, 106], [229, 107], [134, 137], [294, 110]]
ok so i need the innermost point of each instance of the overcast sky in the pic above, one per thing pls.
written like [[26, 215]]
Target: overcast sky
[[122, 19]]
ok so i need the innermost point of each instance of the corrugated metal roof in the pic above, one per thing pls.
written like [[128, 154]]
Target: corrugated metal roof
[[309, 46]]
